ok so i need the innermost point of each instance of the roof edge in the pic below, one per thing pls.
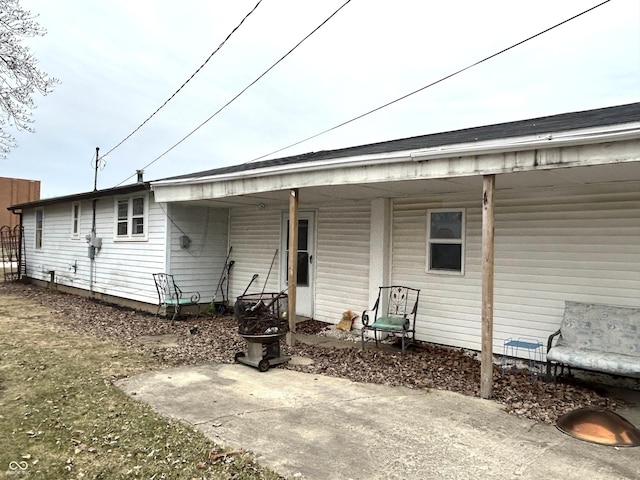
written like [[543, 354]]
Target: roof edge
[[93, 195]]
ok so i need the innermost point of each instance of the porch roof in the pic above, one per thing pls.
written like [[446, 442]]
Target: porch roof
[[450, 161], [473, 138]]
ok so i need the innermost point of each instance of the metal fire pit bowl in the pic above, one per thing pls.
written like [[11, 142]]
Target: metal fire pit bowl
[[599, 425], [262, 323]]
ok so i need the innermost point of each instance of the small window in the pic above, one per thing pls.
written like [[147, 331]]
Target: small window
[[39, 227], [75, 220], [131, 216], [445, 241]]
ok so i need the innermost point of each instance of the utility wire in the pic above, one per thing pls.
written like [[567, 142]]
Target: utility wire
[[427, 86], [242, 91], [187, 81]]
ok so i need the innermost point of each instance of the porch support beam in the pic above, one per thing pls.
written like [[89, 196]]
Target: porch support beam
[[379, 246], [292, 273], [486, 370]]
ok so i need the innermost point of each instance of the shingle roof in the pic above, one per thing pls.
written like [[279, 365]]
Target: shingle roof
[[534, 126], [554, 123], [77, 197]]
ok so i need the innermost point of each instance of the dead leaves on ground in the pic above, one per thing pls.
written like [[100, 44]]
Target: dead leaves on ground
[[215, 339]]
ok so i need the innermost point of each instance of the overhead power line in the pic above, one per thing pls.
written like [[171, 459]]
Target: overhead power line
[[429, 85], [241, 91], [187, 80]]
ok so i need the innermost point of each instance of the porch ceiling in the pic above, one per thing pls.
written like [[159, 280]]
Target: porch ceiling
[[393, 189]]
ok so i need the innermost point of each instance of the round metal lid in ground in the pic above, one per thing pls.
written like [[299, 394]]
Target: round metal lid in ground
[[599, 425]]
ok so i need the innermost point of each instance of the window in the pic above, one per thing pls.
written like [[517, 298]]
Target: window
[[39, 227], [75, 220], [303, 252], [131, 216], [445, 241]]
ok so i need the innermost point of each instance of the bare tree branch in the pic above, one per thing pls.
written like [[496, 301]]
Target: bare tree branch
[[19, 75]]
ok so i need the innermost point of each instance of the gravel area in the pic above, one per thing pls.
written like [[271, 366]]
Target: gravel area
[[215, 339]]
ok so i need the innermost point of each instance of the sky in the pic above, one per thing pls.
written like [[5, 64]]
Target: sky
[[119, 60]]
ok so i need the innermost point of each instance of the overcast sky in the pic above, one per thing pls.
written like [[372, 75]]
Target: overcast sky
[[119, 60]]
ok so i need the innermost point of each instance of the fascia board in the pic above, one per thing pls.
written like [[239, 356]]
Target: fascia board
[[623, 132], [551, 140], [386, 158]]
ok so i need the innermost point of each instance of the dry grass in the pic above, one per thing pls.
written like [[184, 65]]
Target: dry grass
[[61, 417]]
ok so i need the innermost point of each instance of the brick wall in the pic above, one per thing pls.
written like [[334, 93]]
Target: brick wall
[[13, 191]]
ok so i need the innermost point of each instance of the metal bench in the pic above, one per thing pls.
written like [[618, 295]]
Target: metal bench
[[170, 296], [394, 313], [600, 338]]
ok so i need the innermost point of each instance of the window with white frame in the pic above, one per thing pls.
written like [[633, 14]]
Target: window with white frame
[[75, 220], [131, 218], [445, 241], [39, 227]]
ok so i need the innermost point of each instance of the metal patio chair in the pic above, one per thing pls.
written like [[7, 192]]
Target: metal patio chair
[[170, 296], [394, 312]]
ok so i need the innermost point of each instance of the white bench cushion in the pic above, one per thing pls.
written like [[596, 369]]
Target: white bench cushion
[[616, 363]]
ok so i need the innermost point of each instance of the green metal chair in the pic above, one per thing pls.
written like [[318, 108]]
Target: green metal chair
[[394, 313], [170, 296]]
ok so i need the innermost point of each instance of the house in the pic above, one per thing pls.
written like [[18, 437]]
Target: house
[[407, 211]]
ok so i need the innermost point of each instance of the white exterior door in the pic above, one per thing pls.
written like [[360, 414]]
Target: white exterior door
[[306, 260]]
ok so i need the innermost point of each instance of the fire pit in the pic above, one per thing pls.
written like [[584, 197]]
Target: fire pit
[[262, 322], [599, 425]]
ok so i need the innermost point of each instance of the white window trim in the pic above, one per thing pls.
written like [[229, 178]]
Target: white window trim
[[457, 241], [38, 248], [131, 237], [76, 235]]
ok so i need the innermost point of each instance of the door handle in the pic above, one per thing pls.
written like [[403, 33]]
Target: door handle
[[311, 259]]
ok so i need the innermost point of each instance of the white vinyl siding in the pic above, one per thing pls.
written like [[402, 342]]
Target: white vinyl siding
[[197, 268], [126, 267], [121, 269], [579, 243], [254, 236], [449, 306], [342, 260]]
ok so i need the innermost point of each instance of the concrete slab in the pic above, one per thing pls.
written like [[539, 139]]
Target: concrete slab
[[323, 428]]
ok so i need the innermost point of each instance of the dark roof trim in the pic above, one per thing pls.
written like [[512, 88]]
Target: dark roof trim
[[94, 195]]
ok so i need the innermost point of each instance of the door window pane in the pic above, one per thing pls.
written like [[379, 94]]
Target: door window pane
[[303, 252], [303, 269], [303, 235]]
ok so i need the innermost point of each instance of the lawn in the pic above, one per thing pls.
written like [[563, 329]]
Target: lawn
[[62, 417]]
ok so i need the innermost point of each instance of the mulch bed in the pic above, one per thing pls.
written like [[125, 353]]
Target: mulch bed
[[215, 339]]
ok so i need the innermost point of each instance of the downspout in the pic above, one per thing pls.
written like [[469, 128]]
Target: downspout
[[92, 250]]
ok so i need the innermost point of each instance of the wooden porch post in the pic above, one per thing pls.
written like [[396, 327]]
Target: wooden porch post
[[292, 273], [486, 370]]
